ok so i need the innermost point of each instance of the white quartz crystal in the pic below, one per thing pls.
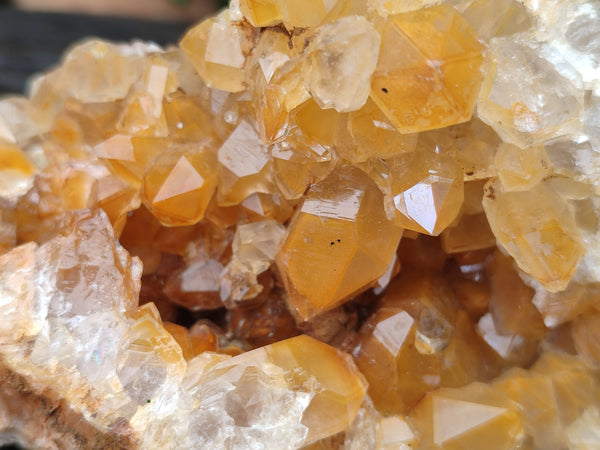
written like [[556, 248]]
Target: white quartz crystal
[[529, 101], [333, 75]]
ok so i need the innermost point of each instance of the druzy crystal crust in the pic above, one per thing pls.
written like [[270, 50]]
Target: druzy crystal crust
[[324, 224]]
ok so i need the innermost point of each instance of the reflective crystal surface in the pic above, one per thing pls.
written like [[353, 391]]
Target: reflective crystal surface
[[428, 74], [458, 418], [328, 224], [338, 243], [522, 112], [537, 229], [331, 71]]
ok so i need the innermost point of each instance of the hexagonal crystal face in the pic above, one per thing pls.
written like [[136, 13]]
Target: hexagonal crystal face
[[428, 74], [538, 230], [178, 188], [338, 243], [520, 105], [459, 418]]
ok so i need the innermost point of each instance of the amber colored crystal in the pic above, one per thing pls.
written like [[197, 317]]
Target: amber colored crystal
[[468, 356], [16, 177], [181, 336], [59, 189], [141, 229], [422, 252], [293, 13], [178, 187], [261, 13], [397, 373], [13, 159], [197, 286], [426, 187], [514, 349], [586, 337], [367, 133], [307, 156], [299, 14], [535, 393], [116, 198], [142, 112], [428, 299], [395, 432], [473, 295], [260, 206], [218, 48], [575, 388], [537, 229], [8, 228], [332, 250], [187, 118], [333, 408], [129, 157], [428, 73], [470, 231], [400, 346], [295, 170], [244, 166], [203, 338], [511, 300], [273, 71], [475, 416], [174, 240], [520, 169]]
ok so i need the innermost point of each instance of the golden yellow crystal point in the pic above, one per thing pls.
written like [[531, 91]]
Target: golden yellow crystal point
[[475, 416], [218, 49], [341, 386], [538, 230], [178, 187], [338, 243], [261, 13], [429, 70]]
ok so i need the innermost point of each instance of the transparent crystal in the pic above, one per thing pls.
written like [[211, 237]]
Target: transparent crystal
[[331, 72]]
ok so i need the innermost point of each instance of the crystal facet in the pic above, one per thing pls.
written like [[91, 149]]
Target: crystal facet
[[428, 74], [334, 224]]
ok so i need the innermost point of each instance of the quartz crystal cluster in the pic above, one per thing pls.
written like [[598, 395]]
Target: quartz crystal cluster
[[315, 224]]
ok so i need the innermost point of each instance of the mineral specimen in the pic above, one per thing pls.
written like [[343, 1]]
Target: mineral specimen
[[428, 73], [314, 224]]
